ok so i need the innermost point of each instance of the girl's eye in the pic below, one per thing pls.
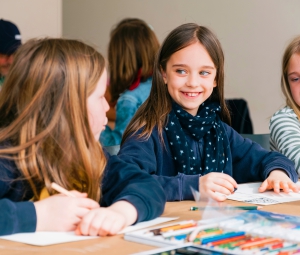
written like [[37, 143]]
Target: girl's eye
[[205, 73], [180, 71], [294, 79]]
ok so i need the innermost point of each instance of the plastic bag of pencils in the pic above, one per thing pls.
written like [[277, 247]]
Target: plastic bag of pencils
[[212, 210]]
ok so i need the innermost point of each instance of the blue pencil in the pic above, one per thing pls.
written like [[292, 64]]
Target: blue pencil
[[221, 237]]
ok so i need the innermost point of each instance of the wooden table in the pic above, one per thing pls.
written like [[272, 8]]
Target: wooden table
[[116, 245]]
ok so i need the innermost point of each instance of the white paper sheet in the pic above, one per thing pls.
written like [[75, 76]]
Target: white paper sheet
[[46, 238], [249, 193], [147, 224], [50, 238]]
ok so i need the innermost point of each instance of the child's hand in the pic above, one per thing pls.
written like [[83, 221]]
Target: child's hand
[[277, 180], [216, 182], [107, 221], [62, 213]]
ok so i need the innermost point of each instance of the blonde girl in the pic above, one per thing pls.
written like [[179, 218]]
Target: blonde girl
[[52, 111], [284, 124]]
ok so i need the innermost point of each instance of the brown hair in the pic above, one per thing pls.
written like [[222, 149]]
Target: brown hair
[[155, 109], [44, 118], [292, 48], [132, 46]]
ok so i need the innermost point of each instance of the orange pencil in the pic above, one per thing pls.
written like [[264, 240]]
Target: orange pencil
[[229, 240], [259, 243], [248, 240], [176, 227]]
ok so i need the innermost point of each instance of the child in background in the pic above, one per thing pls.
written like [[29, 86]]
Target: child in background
[[131, 53], [284, 124], [181, 128], [52, 111]]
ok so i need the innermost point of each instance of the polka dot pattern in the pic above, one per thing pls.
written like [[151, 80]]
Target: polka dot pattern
[[207, 125]]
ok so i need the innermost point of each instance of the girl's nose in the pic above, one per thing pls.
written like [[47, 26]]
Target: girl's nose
[[193, 80]]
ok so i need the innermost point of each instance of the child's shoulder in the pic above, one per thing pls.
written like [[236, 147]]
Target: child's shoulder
[[142, 91], [284, 112]]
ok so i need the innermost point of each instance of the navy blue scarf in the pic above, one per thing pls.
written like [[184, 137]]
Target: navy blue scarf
[[207, 125]]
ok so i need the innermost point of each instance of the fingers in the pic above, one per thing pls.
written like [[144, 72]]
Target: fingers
[[293, 186], [284, 186], [80, 212], [84, 226], [217, 197], [217, 182], [263, 187], [101, 222], [87, 203], [276, 186], [117, 227], [229, 179], [78, 194], [224, 186]]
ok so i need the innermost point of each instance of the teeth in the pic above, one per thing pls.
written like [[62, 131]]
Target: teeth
[[191, 94]]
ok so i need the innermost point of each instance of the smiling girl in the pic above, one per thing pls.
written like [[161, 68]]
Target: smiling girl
[[285, 125], [181, 129]]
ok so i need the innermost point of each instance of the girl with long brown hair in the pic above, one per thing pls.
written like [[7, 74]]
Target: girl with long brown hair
[[182, 129], [52, 111], [132, 49]]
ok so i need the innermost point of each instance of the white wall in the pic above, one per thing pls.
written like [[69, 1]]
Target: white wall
[[34, 18], [253, 34]]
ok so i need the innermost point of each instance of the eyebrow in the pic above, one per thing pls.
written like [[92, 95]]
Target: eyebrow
[[183, 65], [293, 73]]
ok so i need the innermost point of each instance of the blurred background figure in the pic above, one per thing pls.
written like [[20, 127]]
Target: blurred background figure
[[10, 40], [131, 52]]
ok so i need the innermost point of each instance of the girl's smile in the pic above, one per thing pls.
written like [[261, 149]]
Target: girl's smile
[[191, 94], [190, 76]]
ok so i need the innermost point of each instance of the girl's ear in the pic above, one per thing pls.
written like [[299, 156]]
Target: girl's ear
[[164, 75], [215, 83]]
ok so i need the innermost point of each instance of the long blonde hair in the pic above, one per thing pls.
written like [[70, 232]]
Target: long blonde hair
[[44, 118], [292, 48]]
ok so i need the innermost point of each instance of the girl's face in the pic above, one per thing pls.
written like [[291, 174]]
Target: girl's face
[[190, 77], [294, 77], [97, 107]]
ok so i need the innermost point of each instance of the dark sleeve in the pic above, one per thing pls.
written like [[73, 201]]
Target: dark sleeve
[[149, 156], [124, 181], [17, 217], [253, 163]]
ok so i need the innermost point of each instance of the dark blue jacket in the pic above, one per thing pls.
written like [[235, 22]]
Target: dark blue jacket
[[121, 181], [248, 162]]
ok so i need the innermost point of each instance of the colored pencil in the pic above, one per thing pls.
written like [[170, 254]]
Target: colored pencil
[[159, 231], [259, 243], [228, 240], [221, 237], [197, 208], [61, 190]]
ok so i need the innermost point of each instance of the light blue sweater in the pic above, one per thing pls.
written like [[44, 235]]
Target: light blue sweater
[[126, 107]]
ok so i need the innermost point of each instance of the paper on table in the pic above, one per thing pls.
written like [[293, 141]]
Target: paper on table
[[249, 193], [46, 238], [147, 224], [50, 238]]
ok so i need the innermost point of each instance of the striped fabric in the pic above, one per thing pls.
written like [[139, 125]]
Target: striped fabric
[[285, 135]]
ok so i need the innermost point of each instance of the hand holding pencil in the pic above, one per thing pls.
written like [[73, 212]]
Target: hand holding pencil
[[63, 212], [212, 184]]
